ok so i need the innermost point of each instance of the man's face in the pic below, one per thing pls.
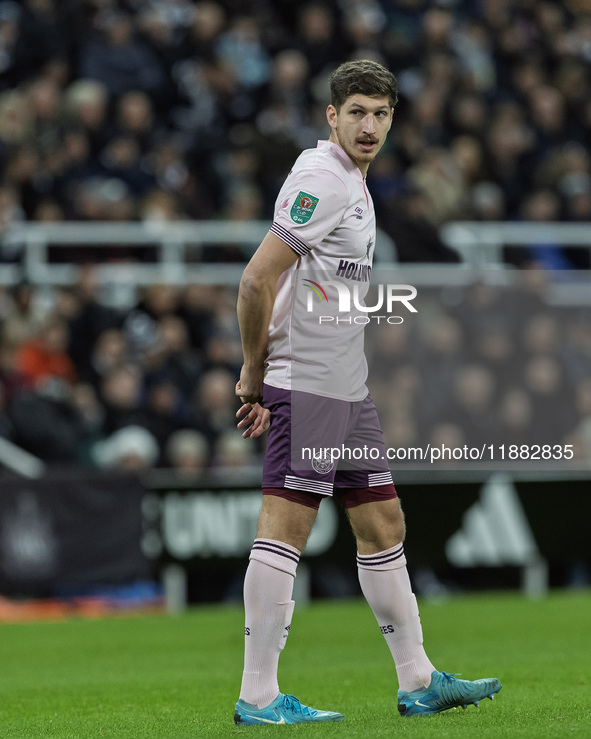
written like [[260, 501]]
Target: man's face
[[360, 127]]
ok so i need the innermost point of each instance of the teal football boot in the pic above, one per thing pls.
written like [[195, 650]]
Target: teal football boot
[[444, 692], [285, 709]]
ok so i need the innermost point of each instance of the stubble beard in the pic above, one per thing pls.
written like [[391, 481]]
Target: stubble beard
[[358, 156]]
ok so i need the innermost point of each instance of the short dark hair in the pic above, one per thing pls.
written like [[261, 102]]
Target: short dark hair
[[362, 77]]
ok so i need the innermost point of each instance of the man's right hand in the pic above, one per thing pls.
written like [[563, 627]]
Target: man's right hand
[[249, 387]]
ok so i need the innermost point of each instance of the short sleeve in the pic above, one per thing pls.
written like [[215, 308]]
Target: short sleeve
[[310, 205]]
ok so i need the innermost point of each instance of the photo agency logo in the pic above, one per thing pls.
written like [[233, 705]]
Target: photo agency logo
[[346, 305]]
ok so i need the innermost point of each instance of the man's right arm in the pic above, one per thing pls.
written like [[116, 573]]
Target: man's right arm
[[256, 297]]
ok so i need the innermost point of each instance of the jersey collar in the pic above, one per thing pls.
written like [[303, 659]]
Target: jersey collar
[[350, 165]]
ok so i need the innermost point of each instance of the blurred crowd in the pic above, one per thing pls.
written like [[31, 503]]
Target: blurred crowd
[[487, 365], [154, 385], [172, 109], [151, 386], [162, 110]]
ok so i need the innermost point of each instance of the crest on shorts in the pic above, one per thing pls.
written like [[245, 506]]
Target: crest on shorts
[[303, 207], [323, 462]]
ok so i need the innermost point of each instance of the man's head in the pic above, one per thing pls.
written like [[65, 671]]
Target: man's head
[[362, 77], [363, 95]]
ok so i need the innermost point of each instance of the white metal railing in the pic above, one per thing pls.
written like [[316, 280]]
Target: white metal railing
[[172, 242], [178, 245], [19, 460], [480, 244]]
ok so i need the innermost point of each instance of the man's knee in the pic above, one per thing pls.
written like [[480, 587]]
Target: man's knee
[[377, 526]]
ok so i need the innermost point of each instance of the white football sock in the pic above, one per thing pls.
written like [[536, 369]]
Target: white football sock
[[386, 586], [268, 607]]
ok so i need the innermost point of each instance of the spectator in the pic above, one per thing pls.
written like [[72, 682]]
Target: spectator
[[468, 115], [317, 37], [553, 414], [165, 409], [509, 142], [23, 178], [196, 312], [131, 449], [487, 202], [230, 451], [103, 199], [86, 104], [164, 38], [11, 213], [515, 413], [443, 355], [91, 412], [204, 29], [187, 451], [47, 422], [241, 50], [541, 335], [6, 426], [289, 82], [16, 120], [542, 206], [439, 177], [473, 407], [120, 160], [494, 346], [42, 38], [469, 154], [10, 32], [577, 349], [406, 219], [115, 57], [135, 118], [179, 361], [44, 98], [46, 356], [121, 396], [215, 404], [108, 353], [11, 378], [141, 323]]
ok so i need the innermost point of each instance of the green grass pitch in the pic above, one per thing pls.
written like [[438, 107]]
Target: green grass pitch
[[178, 677]]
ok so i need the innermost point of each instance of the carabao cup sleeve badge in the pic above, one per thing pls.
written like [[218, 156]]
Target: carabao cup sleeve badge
[[303, 207]]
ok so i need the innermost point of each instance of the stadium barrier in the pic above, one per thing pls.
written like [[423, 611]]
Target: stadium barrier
[[178, 247], [176, 251], [480, 244], [68, 530], [73, 529], [473, 530]]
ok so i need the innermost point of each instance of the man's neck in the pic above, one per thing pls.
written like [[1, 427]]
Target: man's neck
[[334, 139]]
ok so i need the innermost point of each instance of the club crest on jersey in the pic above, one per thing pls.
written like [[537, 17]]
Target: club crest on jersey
[[303, 207], [323, 462]]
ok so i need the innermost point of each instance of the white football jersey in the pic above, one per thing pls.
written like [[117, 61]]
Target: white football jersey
[[325, 214]]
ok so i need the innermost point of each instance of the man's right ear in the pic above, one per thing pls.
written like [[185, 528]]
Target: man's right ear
[[331, 116]]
